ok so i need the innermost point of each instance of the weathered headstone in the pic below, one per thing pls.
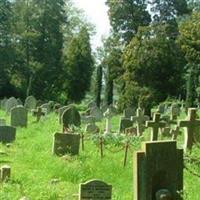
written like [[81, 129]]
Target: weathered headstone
[[5, 173], [161, 108], [95, 190], [2, 122], [91, 127], [7, 134], [11, 103], [129, 112], [96, 113], [108, 115], [3, 103], [38, 113], [155, 125], [19, 116], [158, 169], [30, 103], [61, 111], [192, 125], [46, 107], [20, 103], [66, 144], [175, 111], [140, 120], [124, 124], [71, 117]]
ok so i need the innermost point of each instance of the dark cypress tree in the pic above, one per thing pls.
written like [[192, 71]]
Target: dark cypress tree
[[98, 86], [109, 88]]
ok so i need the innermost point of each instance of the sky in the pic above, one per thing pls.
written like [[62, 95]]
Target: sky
[[96, 12]]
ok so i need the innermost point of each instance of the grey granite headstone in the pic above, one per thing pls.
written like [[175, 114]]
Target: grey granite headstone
[[19, 117], [7, 134], [30, 103], [11, 103]]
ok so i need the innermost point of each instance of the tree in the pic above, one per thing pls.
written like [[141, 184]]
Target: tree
[[98, 85], [126, 16], [154, 61], [79, 67]]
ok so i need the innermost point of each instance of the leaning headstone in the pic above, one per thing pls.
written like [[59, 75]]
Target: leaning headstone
[[66, 144], [19, 116], [2, 122], [5, 173], [71, 117], [7, 134], [30, 103], [11, 103], [191, 124], [156, 124], [124, 124], [158, 170], [95, 190]]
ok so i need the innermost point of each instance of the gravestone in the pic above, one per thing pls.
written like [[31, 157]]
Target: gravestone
[[155, 125], [3, 103], [175, 111], [7, 134], [192, 125], [129, 112], [140, 120], [11, 103], [19, 117], [95, 190], [158, 169], [46, 107], [96, 113], [161, 108], [5, 173], [108, 115], [91, 127], [30, 103], [124, 124], [2, 122], [66, 144], [175, 132], [38, 113], [71, 117], [20, 103], [61, 111]]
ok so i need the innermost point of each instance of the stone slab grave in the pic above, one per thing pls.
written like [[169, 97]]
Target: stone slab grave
[[71, 117], [38, 113], [156, 124], [95, 190], [158, 170], [7, 134], [140, 120], [66, 144], [11, 103], [2, 122], [19, 116], [124, 124], [30, 103], [192, 125]]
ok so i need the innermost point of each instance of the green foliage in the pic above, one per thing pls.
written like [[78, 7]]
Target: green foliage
[[79, 67], [155, 61], [98, 85], [126, 16]]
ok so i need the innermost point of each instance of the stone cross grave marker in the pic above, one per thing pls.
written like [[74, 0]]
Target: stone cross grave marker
[[19, 116], [124, 124], [38, 113], [155, 125], [30, 103], [95, 190], [7, 134], [191, 124], [71, 117], [140, 120], [108, 115], [158, 170], [2, 122], [11, 103], [66, 144]]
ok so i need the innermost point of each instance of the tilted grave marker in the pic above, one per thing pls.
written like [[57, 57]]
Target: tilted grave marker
[[192, 125], [66, 144], [155, 125], [95, 190], [7, 134], [19, 117], [158, 170], [140, 120]]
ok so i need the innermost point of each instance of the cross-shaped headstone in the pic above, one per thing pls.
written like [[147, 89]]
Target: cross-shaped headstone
[[140, 119], [38, 113], [155, 125], [191, 125]]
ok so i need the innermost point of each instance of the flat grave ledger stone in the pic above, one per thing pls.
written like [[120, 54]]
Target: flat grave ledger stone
[[66, 144], [124, 124], [11, 103], [7, 134], [19, 116], [30, 103], [158, 170], [95, 190]]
